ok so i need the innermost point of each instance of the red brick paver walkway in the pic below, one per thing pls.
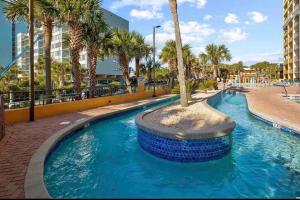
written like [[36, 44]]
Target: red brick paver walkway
[[23, 139], [269, 103]]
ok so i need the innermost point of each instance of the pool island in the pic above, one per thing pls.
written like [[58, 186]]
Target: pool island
[[193, 134]]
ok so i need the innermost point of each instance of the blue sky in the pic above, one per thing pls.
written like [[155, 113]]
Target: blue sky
[[252, 29]]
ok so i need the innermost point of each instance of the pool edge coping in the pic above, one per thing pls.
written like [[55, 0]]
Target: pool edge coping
[[34, 186]]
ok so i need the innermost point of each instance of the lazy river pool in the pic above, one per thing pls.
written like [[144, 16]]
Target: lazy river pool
[[105, 160]]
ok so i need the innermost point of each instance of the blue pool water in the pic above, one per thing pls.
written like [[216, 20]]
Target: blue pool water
[[105, 160]]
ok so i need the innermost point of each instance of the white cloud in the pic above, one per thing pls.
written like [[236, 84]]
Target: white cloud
[[201, 3], [190, 27], [233, 35], [197, 3], [139, 3], [207, 17], [192, 32], [257, 17], [153, 4], [231, 19], [146, 14], [198, 50], [250, 59]]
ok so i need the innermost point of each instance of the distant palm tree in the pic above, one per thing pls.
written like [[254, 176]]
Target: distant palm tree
[[203, 62], [60, 70], [188, 59], [141, 49], [45, 13], [169, 55], [216, 54], [181, 77], [147, 69], [124, 51], [74, 13]]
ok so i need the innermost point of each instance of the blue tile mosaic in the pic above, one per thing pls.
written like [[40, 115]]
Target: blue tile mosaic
[[185, 150]]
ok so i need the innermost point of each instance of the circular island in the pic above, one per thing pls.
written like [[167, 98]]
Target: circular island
[[196, 133]]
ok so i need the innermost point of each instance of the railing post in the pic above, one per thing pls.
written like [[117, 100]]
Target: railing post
[[2, 121]]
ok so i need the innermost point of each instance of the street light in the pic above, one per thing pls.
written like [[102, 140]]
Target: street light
[[153, 64]]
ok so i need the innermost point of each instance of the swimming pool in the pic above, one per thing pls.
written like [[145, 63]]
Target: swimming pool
[[105, 160]]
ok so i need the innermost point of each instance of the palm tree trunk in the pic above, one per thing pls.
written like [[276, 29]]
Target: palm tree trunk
[[181, 79], [47, 28], [75, 48], [137, 67], [61, 80], [149, 75], [92, 59], [125, 70], [215, 72]]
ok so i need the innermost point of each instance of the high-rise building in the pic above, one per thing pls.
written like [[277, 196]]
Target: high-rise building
[[108, 69], [291, 42]]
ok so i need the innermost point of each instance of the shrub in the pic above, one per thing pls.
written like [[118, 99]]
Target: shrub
[[115, 84], [14, 88], [208, 85], [190, 87]]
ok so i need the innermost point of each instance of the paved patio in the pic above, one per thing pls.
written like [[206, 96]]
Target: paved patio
[[22, 140], [269, 103]]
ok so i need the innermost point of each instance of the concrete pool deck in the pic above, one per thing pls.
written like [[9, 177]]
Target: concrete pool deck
[[23, 139], [268, 103]]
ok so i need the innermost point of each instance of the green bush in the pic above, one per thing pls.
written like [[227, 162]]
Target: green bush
[[190, 87], [115, 84], [208, 85], [14, 88]]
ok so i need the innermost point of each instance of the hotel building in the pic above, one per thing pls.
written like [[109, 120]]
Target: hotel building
[[108, 69], [291, 42]]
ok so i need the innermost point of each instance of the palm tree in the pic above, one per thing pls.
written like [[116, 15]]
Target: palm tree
[[59, 71], [169, 55], [95, 38], [203, 62], [188, 58], [141, 49], [123, 50], [74, 13], [216, 54], [147, 69], [45, 12], [181, 79]]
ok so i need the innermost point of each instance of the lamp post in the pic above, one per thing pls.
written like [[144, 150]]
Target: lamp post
[[153, 64], [31, 59]]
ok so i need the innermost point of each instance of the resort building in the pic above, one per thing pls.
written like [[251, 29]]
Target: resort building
[[291, 42], [108, 69]]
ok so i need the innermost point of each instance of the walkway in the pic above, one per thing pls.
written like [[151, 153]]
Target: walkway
[[22, 140], [269, 104]]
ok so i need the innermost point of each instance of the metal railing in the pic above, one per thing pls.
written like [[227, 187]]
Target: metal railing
[[20, 99]]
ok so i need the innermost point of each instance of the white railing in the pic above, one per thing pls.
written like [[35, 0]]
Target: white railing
[[253, 84]]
